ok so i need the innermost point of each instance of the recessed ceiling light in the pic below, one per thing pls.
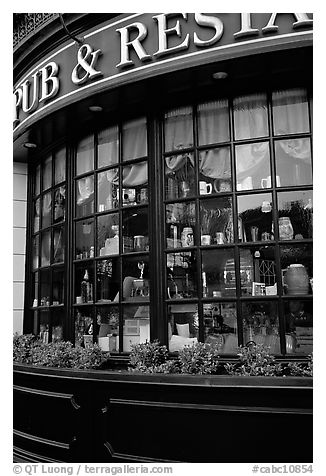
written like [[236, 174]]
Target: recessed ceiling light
[[30, 145], [96, 108], [220, 75]]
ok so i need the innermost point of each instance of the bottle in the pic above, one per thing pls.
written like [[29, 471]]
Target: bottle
[[85, 287], [187, 237], [91, 252], [285, 228]]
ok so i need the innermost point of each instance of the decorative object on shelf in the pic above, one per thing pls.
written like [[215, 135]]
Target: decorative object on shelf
[[258, 289], [205, 240], [222, 185], [35, 303], [139, 243], [254, 233], [205, 188], [296, 279], [266, 236], [86, 289], [266, 207], [285, 228], [219, 238], [187, 237]]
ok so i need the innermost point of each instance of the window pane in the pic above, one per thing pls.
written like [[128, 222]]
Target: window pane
[[84, 283], [215, 171], [220, 326], [297, 207], [213, 122], [85, 155], [136, 279], [34, 297], [261, 324], [45, 292], [85, 239], [178, 129], [216, 222], [59, 245], [108, 147], [59, 203], [45, 248], [46, 210], [293, 162], [107, 275], [136, 326], [57, 322], [255, 220], [35, 252], [297, 269], [85, 196], [108, 235], [183, 325], [290, 111], [299, 326], [47, 173], [134, 139], [258, 271], [38, 180], [60, 166], [218, 273], [253, 166], [108, 190], [135, 183], [58, 286], [84, 328], [107, 319], [180, 178], [180, 223], [37, 215], [135, 230], [250, 116], [181, 275]]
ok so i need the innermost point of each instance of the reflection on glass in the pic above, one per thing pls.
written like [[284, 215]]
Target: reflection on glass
[[293, 162], [85, 155], [35, 252], [220, 326], [216, 222], [85, 196], [180, 176], [85, 239], [38, 180], [215, 171], [57, 320], [298, 326], [183, 326], [45, 289], [47, 173], [297, 269], [135, 230], [178, 129], [37, 215], [290, 111], [136, 279], [59, 203], [108, 235], [107, 148], [255, 220], [34, 297], [58, 245], [107, 275], [297, 207], [253, 166], [181, 275], [213, 122], [218, 273], [108, 190], [45, 248], [260, 324], [84, 328], [180, 224], [84, 283], [107, 318], [46, 210], [44, 329], [134, 139], [58, 286], [250, 116], [60, 166], [135, 184], [258, 271], [136, 326]]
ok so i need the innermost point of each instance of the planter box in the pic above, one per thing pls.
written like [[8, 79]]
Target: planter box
[[63, 415]]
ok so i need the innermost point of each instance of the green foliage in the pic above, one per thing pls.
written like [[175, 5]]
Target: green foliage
[[27, 349], [198, 358], [148, 357], [255, 360], [302, 369]]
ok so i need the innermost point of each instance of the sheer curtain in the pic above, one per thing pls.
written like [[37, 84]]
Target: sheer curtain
[[178, 129], [250, 116], [290, 111], [134, 139], [213, 122], [60, 166], [85, 155], [108, 146]]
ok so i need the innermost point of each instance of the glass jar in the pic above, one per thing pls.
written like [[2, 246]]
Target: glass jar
[[187, 237], [297, 279], [285, 228]]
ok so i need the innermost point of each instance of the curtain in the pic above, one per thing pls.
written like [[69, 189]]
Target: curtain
[[47, 173], [134, 139], [108, 146], [250, 157], [85, 189], [85, 155], [178, 129], [213, 122], [250, 116], [290, 111], [60, 166], [215, 163]]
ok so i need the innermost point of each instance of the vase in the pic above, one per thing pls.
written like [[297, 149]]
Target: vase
[[297, 279], [285, 228]]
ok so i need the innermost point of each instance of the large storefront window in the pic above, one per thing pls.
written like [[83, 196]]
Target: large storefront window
[[235, 235]]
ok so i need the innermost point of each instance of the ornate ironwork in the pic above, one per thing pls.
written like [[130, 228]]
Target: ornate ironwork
[[25, 24]]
